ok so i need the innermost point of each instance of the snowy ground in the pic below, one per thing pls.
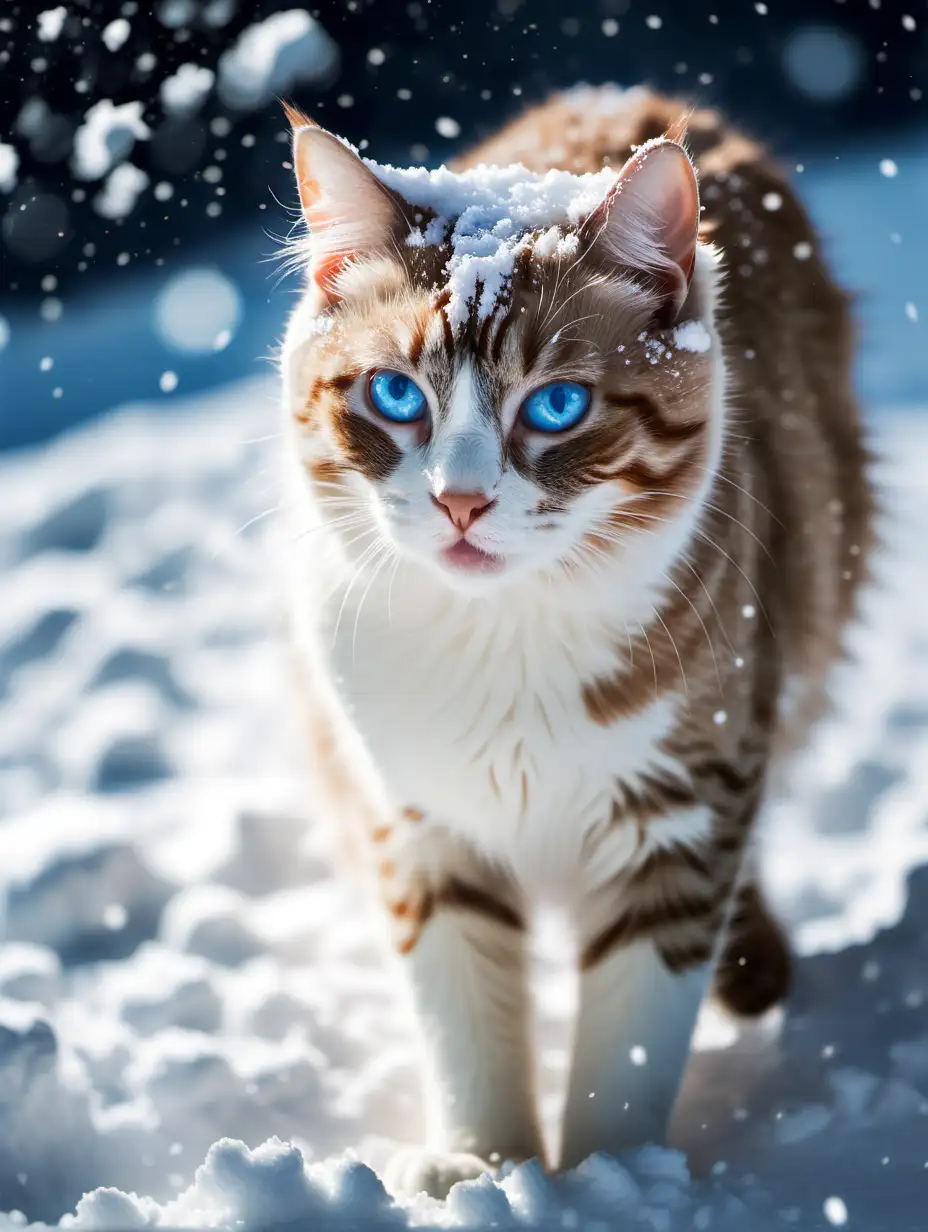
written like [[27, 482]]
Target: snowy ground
[[180, 970]]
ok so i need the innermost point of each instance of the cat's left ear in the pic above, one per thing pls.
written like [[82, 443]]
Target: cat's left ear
[[350, 214], [650, 219]]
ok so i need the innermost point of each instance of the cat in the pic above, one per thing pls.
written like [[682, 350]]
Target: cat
[[581, 512]]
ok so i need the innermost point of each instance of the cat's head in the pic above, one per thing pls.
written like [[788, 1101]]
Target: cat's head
[[498, 374]]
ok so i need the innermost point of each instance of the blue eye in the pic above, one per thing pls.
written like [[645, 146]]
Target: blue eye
[[556, 407], [396, 396]]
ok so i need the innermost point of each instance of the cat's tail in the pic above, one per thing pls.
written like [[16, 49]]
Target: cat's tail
[[755, 970]]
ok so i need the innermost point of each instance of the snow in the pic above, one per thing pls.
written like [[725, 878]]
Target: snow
[[193, 1011], [51, 23], [115, 34], [491, 213], [107, 136], [692, 336], [9, 165], [185, 91], [121, 191], [273, 56], [888, 168], [835, 1212]]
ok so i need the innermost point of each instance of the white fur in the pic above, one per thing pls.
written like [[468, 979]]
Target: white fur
[[633, 1035], [471, 997], [466, 691]]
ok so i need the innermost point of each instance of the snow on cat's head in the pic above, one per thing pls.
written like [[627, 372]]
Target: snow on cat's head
[[499, 373]]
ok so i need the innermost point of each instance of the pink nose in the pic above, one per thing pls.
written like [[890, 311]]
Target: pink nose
[[463, 508]]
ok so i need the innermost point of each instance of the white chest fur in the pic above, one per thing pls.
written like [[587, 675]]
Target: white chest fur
[[473, 712]]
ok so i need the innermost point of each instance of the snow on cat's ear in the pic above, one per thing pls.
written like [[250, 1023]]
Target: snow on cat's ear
[[350, 214], [650, 218]]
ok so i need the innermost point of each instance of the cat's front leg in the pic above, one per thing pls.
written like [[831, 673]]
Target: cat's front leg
[[460, 936], [648, 940]]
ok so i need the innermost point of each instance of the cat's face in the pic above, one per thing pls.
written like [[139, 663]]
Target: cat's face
[[564, 419]]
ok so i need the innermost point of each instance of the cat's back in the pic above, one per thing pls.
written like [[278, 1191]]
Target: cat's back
[[795, 439]]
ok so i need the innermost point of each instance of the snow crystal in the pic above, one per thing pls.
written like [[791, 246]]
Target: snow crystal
[[167, 381], [638, 1055], [653, 22], [445, 126], [184, 92], [272, 56], [610, 27], [9, 165], [4, 331], [835, 1212], [51, 23], [116, 33], [195, 308], [888, 168], [106, 137], [911, 311], [802, 251], [376, 56], [121, 191], [771, 201], [692, 336], [908, 22]]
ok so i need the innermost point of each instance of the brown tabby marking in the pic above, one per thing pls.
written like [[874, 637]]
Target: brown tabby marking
[[414, 911], [368, 448]]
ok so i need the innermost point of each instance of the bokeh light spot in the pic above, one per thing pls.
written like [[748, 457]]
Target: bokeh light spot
[[195, 309], [824, 63]]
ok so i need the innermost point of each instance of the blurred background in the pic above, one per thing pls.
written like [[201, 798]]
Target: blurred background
[[145, 178]]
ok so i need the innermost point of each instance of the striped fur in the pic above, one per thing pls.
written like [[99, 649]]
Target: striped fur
[[593, 721]]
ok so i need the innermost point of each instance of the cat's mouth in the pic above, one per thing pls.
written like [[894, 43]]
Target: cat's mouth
[[468, 558]]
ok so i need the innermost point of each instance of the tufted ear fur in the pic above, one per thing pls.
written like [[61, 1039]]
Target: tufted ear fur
[[649, 220], [350, 214]]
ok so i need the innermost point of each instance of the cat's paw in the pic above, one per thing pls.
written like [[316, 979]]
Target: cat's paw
[[416, 1170]]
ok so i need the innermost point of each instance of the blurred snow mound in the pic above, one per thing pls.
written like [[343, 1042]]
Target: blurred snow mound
[[273, 56]]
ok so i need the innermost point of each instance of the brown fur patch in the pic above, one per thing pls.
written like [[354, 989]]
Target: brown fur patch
[[368, 449], [460, 896]]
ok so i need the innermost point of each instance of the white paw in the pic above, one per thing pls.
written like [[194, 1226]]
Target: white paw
[[417, 1169]]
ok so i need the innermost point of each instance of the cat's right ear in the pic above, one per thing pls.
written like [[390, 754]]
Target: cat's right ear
[[350, 214], [649, 220]]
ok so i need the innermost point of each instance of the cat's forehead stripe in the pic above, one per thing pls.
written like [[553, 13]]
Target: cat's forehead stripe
[[488, 219]]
